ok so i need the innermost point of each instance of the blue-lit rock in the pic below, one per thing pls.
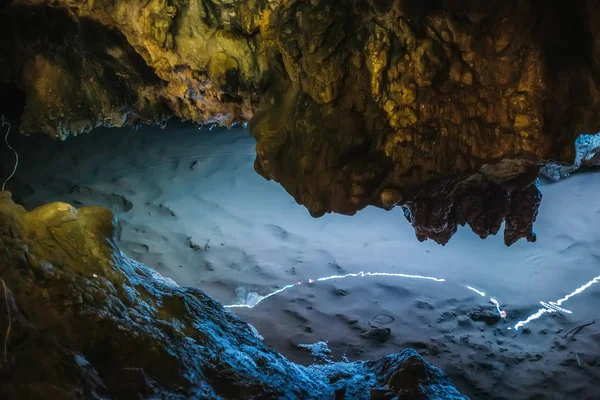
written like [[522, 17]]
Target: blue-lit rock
[[88, 322]]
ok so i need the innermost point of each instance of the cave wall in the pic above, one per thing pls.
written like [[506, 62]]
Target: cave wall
[[352, 102], [79, 319], [445, 108]]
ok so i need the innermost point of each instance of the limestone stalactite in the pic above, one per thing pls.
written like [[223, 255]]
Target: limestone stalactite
[[352, 102]]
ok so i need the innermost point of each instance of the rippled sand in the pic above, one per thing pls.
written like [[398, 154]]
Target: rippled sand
[[192, 207]]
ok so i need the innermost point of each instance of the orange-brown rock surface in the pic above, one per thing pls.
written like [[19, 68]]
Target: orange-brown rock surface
[[352, 102]]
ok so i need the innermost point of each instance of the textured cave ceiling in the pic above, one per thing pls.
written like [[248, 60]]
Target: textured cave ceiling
[[446, 108]]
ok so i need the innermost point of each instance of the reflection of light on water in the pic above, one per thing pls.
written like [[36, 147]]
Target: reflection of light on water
[[552, 307]]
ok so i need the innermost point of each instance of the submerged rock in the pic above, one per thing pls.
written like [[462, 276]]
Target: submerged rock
[[82, 320]]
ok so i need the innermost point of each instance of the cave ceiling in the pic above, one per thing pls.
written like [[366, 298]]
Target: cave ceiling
[[447, 109]]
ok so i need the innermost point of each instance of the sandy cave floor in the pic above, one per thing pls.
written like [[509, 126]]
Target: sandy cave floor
[[191, 206]]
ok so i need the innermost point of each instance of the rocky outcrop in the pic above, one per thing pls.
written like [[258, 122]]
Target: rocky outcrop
[[352, 102], [496, 194], [425, 96], [78, 319]]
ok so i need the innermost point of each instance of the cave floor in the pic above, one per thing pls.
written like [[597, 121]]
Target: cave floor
[[191, 206]]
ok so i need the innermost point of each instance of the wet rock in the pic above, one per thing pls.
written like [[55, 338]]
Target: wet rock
[[413, 372], [112, 328], [489, 315], [192, 245], [446, 316], [376, 333], [423, 304], [114, 202], [381, 394]]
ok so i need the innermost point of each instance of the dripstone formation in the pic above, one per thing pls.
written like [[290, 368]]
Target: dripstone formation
[[448, 109], [352, 102]]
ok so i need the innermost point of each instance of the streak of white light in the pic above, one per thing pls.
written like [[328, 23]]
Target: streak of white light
[[533, 316], [500, 311], [261, 298], [578, 290], [553, 307], [327, 278], [550, 307], [362, 274], [479, 292]]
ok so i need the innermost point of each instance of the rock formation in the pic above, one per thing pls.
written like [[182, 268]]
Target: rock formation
[[448, 109], [78, 319], [352, 102]]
